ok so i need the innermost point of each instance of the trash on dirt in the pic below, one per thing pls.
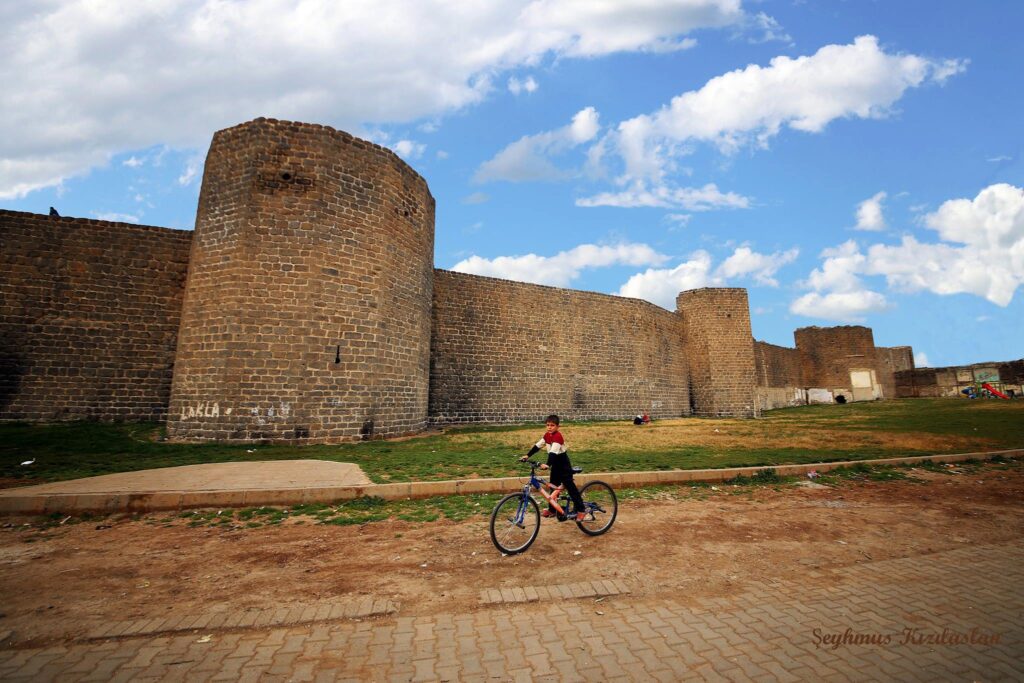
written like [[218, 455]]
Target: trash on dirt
[[577, 553], [28, 462], [841, 542], [144, 584], [205, 639], [424, 565], [813, 474], [102, 526], [714, 488], [599, 612], [251, 450], [601, 599], [64, 521]]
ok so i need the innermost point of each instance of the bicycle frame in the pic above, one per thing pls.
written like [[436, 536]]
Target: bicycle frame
[[541, 487]]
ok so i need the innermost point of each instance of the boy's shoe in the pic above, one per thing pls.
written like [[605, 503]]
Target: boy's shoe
[[547, 513], [581, 516]]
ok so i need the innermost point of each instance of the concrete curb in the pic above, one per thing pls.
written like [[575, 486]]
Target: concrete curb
[[142, 501]]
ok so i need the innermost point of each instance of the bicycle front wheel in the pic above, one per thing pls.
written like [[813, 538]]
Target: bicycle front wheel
[[601, 508], [515, 523]]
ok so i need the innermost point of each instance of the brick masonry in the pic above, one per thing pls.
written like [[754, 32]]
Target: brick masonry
[[720, 348], [89, 316], [308, 305], [508, 351], [761, 631]]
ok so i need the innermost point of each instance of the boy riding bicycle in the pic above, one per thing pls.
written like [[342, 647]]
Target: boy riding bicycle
[[561, 468]]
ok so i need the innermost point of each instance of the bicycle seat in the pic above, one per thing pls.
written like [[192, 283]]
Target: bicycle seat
[[577, 470]]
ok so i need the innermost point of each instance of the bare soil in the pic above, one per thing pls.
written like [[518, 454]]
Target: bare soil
[[59, 582]]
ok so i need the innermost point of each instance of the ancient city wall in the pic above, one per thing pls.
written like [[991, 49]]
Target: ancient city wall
[[828, 356], [720, 351], [889, 361], [89, 314], [949, 382], [507, 351], [307, 310], [779, 379], [777, 366]]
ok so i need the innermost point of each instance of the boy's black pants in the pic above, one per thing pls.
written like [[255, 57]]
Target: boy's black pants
[[559, 477]]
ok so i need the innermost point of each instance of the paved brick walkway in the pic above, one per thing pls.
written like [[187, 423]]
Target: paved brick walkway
[[779, 631]]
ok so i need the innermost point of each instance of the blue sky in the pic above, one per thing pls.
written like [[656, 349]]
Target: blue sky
[[846, 162]]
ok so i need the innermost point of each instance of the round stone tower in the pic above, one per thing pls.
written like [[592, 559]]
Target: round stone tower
[[307, 309]]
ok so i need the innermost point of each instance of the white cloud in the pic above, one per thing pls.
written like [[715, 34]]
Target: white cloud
[[765, 29], [529, 158], [476, 198], [191, 172], [752, 105], [441, 154], [869, 213], [839, 306], [661, 285], [678, 221], [119, 217], [132, 162], [762, 267], [199, 65], [408, 149], [981, 251], [839, 293], [921, 360], [690, 198], [564, 267], [515, 86], [590, 28]]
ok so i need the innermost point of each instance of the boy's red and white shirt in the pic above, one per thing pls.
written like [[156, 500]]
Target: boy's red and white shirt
[[554, 443]]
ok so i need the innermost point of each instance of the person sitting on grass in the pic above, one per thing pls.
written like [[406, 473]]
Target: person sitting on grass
[[561, 468]]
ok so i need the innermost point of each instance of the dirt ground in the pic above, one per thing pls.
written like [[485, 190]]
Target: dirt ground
[[59, 582]]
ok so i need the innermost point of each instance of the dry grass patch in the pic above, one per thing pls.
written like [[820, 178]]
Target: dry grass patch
[[663, 435]]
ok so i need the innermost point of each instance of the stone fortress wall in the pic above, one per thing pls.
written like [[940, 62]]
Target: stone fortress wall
[[950, 382], [307, 311], [305, 308], [500, 355], [89, 317], [829, 364]]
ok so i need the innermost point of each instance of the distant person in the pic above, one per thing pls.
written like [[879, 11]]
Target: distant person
[[561, 468], [53, 212]]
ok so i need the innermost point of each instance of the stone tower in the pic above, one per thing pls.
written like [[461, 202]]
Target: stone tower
[[841, 359], [307, 310], [720, 347]]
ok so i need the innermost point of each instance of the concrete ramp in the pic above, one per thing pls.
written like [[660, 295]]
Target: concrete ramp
[[227, 483]]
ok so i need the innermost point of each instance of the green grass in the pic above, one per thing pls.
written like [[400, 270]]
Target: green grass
[[80, 449]]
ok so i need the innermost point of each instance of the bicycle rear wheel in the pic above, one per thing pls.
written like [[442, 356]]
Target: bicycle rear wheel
[[601, 505], [515, 523]]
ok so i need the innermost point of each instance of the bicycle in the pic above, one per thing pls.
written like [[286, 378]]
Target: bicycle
[[515, 521]]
